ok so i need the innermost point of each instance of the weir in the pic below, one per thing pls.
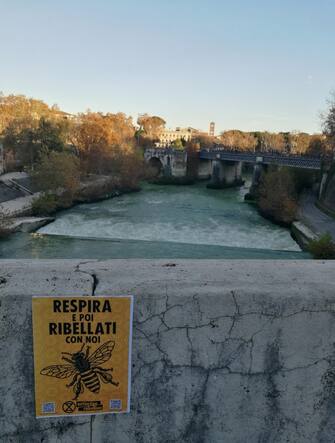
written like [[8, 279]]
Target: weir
[[223, 350]]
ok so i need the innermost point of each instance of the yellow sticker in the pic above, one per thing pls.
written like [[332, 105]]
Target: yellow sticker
[[82, 355]]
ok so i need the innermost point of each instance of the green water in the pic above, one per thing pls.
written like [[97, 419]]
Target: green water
[[159, 222]]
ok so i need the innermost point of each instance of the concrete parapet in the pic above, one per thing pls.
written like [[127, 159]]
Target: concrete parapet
[[223, 351]]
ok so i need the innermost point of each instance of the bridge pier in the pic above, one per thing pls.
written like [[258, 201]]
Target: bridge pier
[[204, 169], [225, 174], [259, 168], [257, 173]]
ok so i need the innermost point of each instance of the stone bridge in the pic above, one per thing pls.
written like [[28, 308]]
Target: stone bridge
[[167, 162], [222, 165]]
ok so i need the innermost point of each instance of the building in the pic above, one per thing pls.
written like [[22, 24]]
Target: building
[[168, 136], [211, 129]]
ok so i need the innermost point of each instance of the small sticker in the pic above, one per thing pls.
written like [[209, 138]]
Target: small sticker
[[48, 408], [115, 404]]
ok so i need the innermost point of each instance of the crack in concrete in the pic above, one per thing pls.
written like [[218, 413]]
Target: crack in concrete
[[95, 280], [197, 426], [91, 428]]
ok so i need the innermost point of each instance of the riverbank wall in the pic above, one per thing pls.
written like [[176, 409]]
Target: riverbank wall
[[223, 351], [16, 215]]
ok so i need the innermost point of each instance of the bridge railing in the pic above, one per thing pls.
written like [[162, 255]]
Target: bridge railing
[[265, 157], [164, 151], [293, 160]]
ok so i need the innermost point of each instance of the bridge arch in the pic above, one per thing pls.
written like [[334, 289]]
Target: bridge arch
[[156, 166]]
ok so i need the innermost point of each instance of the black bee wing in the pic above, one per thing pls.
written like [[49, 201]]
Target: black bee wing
[[102, 354], [59, 371]]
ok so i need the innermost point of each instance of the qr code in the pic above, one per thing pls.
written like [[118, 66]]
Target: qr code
[[48, 408], [115, 404]]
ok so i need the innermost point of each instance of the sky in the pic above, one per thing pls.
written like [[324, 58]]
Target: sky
[[245, 64]]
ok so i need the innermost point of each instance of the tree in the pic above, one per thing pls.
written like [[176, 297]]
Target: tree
[[317, 146], [235, 139], [299, 142], [277, 196], [329, 122], [101, 139], [57, 170], [57, 174], [151, 125], [91, 139], [268, 141], [177, 144], [19, 107], [28, 141], [51, 136], [204, 140]]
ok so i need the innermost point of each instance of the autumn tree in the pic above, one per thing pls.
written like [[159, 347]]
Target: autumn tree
[[57, 170], [317, 146], [277, 196], [204, 140], [57, 174], [151, 126], [268, 141], [235, 139], [24, 109], [105, 144], [299, 142]]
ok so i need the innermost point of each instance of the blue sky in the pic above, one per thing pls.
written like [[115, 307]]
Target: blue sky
[[252, 65]]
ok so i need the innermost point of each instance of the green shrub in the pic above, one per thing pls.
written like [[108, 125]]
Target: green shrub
[[323, 247], [45, 205]]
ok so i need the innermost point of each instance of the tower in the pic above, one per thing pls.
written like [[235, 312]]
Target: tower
[[212, 129]]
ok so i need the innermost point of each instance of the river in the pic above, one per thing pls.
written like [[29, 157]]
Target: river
[[159, 222]]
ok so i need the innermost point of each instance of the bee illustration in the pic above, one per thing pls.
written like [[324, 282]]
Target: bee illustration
[[85, 369]]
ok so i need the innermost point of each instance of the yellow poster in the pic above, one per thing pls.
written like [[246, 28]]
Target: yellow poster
[[82, 355]]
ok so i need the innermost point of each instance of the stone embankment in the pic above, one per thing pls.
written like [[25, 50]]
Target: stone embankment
[[223, 351], [17, 194], [313, 222]]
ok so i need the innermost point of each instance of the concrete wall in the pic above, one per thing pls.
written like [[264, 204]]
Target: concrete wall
[[223, 351]]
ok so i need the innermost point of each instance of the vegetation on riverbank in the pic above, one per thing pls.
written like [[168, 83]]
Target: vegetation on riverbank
[[322, 248], [278, 193], [63, 152]]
